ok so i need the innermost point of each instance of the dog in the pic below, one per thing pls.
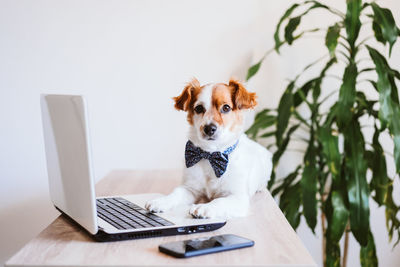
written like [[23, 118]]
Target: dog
[[223, 166]]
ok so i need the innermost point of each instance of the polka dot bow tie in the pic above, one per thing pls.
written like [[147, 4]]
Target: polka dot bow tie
[[219, 161]]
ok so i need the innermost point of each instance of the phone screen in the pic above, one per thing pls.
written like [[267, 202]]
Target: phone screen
[[200, 246]]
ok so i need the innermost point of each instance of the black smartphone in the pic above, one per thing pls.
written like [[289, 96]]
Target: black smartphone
[[205, 245]]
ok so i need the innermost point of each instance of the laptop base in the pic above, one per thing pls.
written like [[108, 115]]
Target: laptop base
[[102, 236]]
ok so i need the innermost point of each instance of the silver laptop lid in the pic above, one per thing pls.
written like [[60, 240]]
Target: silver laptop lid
[[66, 136]]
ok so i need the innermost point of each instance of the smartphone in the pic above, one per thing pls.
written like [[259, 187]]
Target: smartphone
[[205, 245]]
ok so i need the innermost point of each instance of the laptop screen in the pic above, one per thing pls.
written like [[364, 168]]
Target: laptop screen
[[65, 128]]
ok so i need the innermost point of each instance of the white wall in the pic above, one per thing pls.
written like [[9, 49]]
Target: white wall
[[129, 58]]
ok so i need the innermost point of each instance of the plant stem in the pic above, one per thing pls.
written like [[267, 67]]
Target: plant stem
[[363, 81], [323, 238], [346, 245], [366, 39], [312, 64], [267, 53], [329, 95], [301, 119], [343, 54], [347, 41], [345, 46], [324, 195], [300, 138], [366, 69]]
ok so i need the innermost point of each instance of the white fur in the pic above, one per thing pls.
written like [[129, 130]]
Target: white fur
[[248, 171]]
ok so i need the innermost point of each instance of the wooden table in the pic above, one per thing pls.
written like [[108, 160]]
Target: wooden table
[[64, 244]]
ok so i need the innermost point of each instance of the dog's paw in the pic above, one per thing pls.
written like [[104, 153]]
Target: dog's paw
[[204, 211], [219, 210], [158, 205]]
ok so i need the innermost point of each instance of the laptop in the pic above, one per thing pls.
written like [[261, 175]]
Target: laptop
[[71, 183]]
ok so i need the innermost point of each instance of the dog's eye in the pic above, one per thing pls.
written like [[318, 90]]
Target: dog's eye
[[199, 109], [225, 109]]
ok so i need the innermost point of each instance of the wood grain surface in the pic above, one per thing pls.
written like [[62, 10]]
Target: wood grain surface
[[64, 244]]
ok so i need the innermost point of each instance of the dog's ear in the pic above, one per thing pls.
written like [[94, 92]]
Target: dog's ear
[[241, 98], [182, 102]]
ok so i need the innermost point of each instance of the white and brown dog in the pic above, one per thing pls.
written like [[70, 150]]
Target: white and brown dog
[[224, 167]]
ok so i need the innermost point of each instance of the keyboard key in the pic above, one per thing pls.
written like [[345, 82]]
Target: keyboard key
[[107, 219], [123, 214]]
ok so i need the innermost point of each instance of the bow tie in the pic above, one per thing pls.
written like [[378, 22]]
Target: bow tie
[[219, 161]]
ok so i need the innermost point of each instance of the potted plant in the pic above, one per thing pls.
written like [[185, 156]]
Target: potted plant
[[341, 167]]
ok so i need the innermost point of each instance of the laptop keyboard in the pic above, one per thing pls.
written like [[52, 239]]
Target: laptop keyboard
[[123, 214]]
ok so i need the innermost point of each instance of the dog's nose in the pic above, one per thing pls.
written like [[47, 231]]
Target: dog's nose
[[210, 129]]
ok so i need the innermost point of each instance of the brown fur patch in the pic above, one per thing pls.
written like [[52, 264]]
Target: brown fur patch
[[187, 98], [241, 97]]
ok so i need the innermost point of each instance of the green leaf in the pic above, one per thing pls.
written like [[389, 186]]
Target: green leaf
[[287, 13], [262, 121], [309, 179], [357, 187], [331, 39], [394, 129], [268, 134], [339, 218], [279, 152], [383, 18], [286, 182], [347, 96], [332, 254], [395, 73], [383, 85], [301, 94], [290, 28], [368, 253], [282, 147], [309, 191], [378, 33], [331, 117], [392, 222], [330, 150], [289, 203], [364, 105], [377, 163], [271, 181], [284, 111], [317, 86], [389, 111], [262, 113], [320, 5], [394, 94], [352, 20], [260, 125], [253, 70]]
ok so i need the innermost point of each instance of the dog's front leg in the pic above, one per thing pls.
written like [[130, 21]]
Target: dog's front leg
[[223, 207], [180, 196]]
